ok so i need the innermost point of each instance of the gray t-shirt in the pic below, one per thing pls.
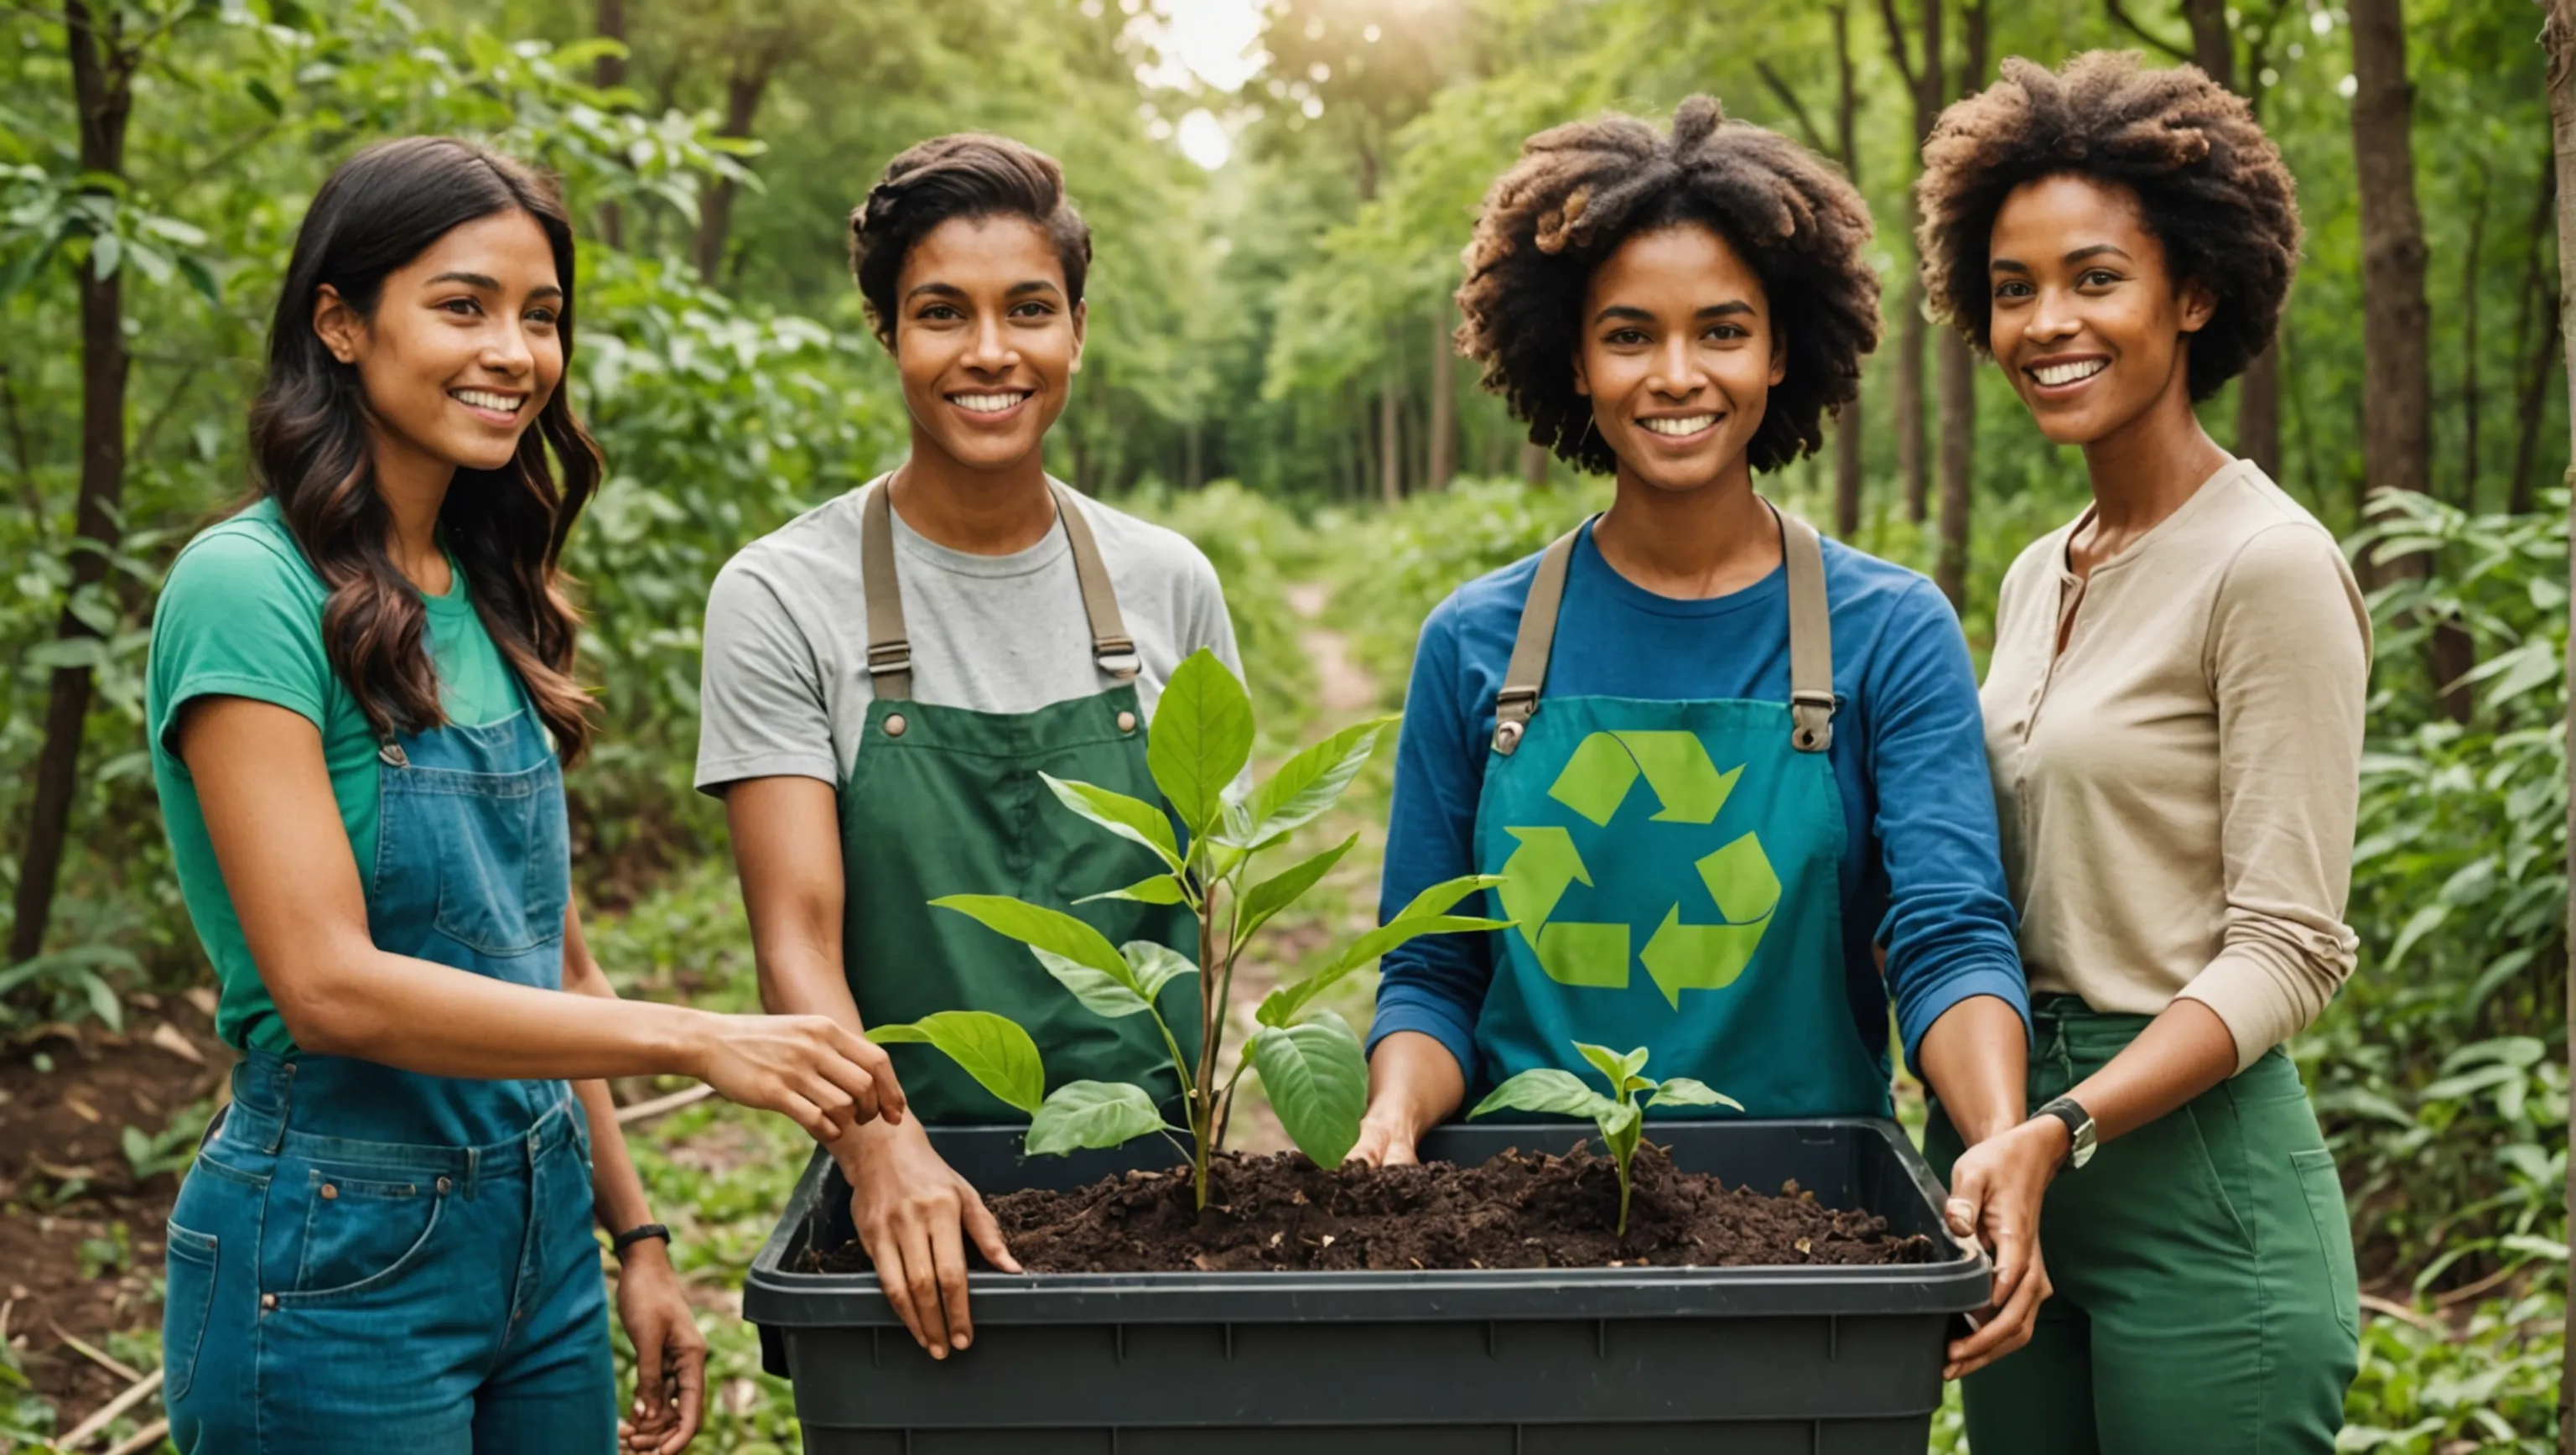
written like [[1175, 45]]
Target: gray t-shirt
[[785, 690]]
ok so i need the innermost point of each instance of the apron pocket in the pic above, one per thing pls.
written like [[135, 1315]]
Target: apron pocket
[[2322, 1186], [359, 1235], [189, 1293]]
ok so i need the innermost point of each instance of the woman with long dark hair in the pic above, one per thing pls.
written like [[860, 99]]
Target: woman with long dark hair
[[2173, 714], [360, 697]]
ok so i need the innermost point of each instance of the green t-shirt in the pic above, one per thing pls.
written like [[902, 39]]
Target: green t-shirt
[[241, 616]]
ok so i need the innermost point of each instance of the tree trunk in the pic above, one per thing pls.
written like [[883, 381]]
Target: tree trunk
[[2559, 36], [2469, 340], [743, 90], [610, 71], [1534, 464], [1924, 82], [1442, 455], [2396, 410], [1957, 373], [1849, 435], [102, 71], [2536, 347], [1390, 443]]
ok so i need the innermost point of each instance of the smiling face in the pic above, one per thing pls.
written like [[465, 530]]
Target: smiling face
[[463, 348], [1678, 357], [986, 340], [2087, 322]]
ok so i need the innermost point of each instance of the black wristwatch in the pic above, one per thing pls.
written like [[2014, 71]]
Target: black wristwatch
[[637, 1234], [2079, 1130]]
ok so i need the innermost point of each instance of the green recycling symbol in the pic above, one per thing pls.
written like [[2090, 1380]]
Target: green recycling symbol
[[1679, 955]]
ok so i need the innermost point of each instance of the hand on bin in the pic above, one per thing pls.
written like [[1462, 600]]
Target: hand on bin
[[913, 1214], [1996, 1189]]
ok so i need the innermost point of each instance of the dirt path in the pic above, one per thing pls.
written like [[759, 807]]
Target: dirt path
[[1344, 692]]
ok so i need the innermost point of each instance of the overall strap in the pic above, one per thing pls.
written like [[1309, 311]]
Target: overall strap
[[890, 646], [1811, 637], [1111, 648], [1811, 640], [1518, 700]]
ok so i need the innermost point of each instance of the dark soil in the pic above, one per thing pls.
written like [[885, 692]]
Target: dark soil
[[1519, 1210]]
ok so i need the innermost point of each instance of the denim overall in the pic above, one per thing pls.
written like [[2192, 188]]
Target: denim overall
[[364, 1257], [1672, 869]]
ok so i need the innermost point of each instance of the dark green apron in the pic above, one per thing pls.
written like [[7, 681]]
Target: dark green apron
[[947, 800]]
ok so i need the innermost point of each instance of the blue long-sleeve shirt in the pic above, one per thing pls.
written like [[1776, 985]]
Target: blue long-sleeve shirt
[[1920, 867]]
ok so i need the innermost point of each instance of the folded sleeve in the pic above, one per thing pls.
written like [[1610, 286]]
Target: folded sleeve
[[1949, 928], [2289, 663], [1434, 984], [238, 617], [762, 712]]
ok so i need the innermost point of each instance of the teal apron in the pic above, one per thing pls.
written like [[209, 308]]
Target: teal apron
[[1672, 869], [947, 800]]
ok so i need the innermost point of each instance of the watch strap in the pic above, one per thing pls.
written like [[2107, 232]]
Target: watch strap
[[2079, 1129], [637, 1234]]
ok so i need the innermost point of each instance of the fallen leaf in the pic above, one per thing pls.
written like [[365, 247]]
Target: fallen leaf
[[81, 1109], [169, 1038], [203, 998]]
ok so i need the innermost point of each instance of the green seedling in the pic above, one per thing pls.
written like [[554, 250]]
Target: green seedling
[[1308, 1058], [1619, 1116]]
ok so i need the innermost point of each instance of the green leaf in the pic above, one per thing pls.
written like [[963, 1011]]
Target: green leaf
[[1546, 1090], [1040, 928], [1621, 1129], [1161, 889], [1683, 1091], [1442, 897], [1317, 1078], [201, 278], [105, 252], [1281, 1005], [1276, 893], [1202, 737], [1312, 781], [1155, 965], [1091, 1114], [1132, 819], [1114, 996], [1619, 1070], [991, 1048]]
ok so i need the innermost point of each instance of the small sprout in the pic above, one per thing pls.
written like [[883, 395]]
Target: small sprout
[[1618, 1115]]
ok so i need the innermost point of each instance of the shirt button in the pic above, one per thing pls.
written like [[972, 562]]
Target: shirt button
[[894, 725], [1126, 722]]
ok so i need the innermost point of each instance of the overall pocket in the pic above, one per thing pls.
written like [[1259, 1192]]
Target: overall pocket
[[2322, 1186], [188, 1296], [361, 1235]]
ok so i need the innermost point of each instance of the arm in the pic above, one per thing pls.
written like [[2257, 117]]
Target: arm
[[670, 1353], [276, 831], [1953, 967], [1429, 989], [908, 1205]]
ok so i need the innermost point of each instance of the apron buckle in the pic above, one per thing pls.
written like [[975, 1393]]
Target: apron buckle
[[890, 658]]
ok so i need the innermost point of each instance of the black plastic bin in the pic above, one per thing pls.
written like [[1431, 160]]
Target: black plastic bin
[[1749, 1361]]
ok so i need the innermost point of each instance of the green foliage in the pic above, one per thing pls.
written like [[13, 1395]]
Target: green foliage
[[1311, 1067], [2491, 1387], [1619, 1115]]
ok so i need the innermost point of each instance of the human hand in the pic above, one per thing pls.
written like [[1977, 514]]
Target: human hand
[[910, 1208], [1996, 1189], [670, 1354], [809, 1068], [1385, 1141]]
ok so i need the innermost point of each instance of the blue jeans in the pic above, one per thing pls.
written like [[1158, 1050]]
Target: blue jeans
[[327, 1294], [369, 1258]]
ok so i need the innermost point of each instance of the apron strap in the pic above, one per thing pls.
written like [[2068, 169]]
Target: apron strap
[[1811, 637], [1111, 648], [1518, 700], [890, 646], [1811, 640]]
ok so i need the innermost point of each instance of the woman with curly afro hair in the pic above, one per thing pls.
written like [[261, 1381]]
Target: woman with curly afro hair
[[1719, 764], [2173, 718]]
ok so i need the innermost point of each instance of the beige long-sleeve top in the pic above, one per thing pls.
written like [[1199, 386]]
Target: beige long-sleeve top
[[2177, 789]]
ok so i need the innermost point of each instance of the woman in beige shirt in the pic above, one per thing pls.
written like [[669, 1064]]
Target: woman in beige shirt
[[2174, 720]]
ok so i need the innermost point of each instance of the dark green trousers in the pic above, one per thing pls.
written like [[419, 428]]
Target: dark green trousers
[[2206, 1300]]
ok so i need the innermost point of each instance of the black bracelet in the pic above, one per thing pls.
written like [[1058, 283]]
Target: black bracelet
[[637, 1234]]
